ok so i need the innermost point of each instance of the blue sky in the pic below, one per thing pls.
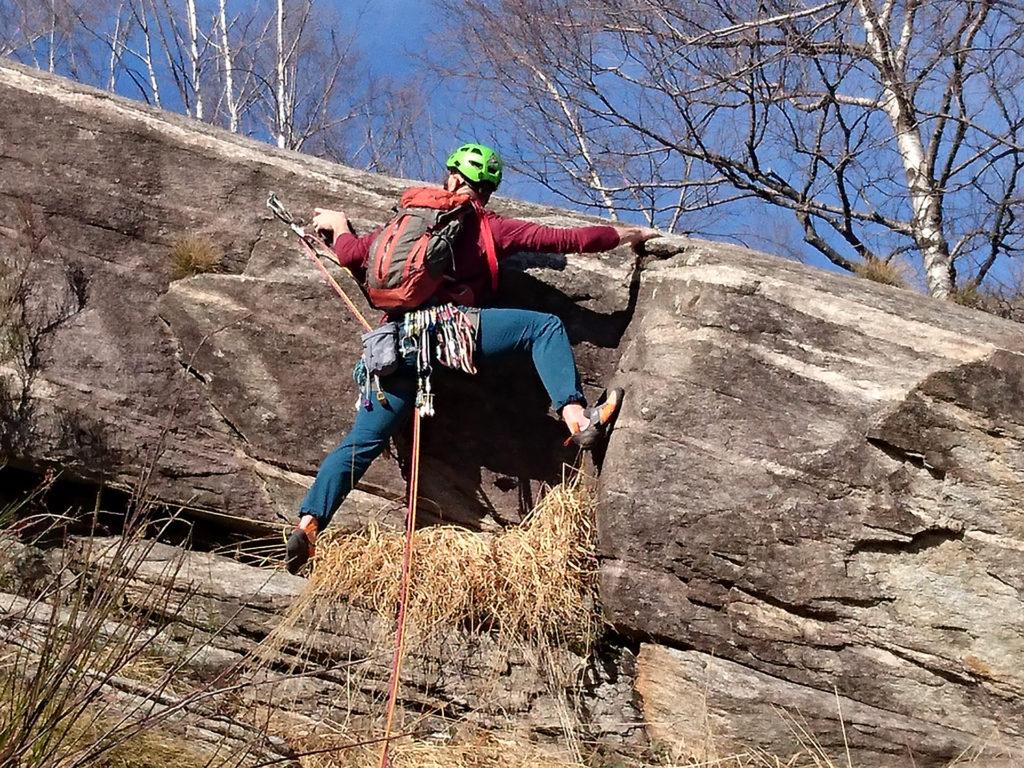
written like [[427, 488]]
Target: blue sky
[[392, 30], [393, 34]]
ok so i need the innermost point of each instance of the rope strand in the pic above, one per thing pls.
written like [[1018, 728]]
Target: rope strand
[[455, 343], [403, 593], [311, 252]]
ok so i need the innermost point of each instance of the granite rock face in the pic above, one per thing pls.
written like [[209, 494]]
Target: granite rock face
[[235, 385], [818, 484], [811, 504]]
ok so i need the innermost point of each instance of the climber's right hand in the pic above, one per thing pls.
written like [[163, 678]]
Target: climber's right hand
[[333, 222], [635, 235]]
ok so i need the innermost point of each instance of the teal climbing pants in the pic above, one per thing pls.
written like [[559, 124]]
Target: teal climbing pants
[[502, 333]]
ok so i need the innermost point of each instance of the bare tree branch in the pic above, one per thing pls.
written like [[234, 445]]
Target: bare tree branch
[[866, 119]]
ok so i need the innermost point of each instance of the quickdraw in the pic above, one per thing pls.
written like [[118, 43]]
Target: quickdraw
[[368, 387], [316, 249]]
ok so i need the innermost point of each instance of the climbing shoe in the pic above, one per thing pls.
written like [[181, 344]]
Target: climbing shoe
[[599, 418], [301, 544]]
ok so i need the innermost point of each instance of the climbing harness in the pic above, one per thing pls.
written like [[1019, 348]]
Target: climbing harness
[[445, 334], [454, 335]]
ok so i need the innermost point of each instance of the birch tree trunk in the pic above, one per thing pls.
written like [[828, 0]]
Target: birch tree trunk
[[579, 135], [51, 62], [141, 16], [193, 34], [925, 198], [115, 49], [281, 74], [229, 87]]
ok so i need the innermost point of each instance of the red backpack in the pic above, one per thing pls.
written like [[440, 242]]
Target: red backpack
[[409, 258]]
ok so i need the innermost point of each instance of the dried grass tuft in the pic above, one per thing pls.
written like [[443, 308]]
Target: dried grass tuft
[[193, 255], [488, 752], [884, 272], [529, 582], [157, 749], [966, 296]]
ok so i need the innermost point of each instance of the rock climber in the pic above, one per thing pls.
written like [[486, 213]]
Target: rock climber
[[474, 170]]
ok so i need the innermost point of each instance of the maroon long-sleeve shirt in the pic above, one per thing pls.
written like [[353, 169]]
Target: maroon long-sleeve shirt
[[470, 283]]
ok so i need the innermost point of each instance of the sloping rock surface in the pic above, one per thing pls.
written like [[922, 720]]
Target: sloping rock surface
[[241, 382], [812, 497], [818, 484]]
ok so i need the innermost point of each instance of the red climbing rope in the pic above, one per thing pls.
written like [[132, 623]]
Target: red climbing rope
[[312, 244], [311, 252], [403, 591], [316, 248]]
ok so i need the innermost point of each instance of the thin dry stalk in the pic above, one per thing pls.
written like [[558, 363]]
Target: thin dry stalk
[[88, 666]]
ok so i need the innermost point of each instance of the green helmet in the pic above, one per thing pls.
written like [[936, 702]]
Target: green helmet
[[476, 163]]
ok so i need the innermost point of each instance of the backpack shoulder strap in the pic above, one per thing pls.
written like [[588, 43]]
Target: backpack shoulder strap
[[489, 248], [432, 197]]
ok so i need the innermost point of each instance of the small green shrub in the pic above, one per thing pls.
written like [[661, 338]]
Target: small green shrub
[[193, 255]]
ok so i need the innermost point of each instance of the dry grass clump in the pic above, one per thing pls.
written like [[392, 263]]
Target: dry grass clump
[[884, 272], [1005, 300], [193, 255], [488, 752], [530, 581], [966, 296], [148, 750]]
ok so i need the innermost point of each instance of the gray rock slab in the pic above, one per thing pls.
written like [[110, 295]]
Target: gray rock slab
[[814, 488], [820, 479], [233, 386], [702, 708]]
